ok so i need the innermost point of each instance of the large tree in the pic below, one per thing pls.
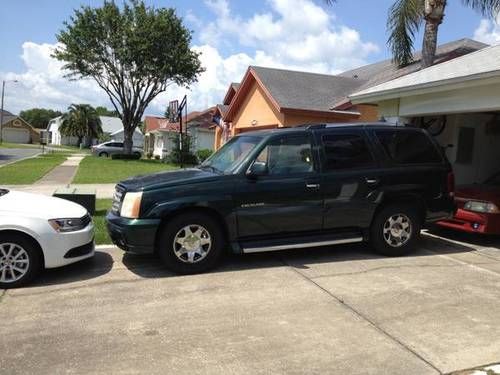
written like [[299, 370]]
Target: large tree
[[406, 17], [39, 117], [80, 121], [133, 52]]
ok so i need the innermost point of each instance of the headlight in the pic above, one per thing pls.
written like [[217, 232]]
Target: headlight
[[486, 207], [131, 205], [69, 225]]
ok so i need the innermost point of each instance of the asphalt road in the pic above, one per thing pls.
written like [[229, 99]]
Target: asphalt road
[[336, 310], [9, 155]]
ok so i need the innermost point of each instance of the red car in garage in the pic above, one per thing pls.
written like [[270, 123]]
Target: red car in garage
[[478, 208]]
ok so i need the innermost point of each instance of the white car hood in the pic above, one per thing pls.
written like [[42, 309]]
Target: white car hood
[[37, 205]]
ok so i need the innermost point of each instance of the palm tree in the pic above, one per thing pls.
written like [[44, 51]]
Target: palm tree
[[80, 121], [407, 16]]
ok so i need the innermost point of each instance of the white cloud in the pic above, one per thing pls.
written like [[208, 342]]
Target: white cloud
[[291, 34], [488, 31]]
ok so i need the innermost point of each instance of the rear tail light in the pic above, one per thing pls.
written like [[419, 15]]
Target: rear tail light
[[451, 184]]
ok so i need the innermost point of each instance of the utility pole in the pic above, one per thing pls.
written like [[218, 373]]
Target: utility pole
[[1, 111]]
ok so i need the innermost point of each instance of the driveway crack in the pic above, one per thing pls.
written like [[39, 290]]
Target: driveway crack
[[365, 318]]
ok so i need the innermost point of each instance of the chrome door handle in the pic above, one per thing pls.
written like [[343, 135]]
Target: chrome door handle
[[372, 181], [312, 186]]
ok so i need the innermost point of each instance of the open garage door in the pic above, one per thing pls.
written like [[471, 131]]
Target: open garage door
[[16, 135]]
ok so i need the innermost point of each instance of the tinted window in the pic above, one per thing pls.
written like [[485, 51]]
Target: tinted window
[[343, 151], [288, 155], [408, 147]]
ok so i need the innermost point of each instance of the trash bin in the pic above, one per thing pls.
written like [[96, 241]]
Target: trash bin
[[83, 196]]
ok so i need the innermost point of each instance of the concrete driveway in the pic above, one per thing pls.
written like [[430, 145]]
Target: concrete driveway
[[336, 310], [10, 155]]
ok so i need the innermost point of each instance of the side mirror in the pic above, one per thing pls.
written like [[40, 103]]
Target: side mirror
[[257, 169]]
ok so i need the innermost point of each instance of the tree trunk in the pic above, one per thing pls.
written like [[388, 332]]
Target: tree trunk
[[434, 14], [128, 133]]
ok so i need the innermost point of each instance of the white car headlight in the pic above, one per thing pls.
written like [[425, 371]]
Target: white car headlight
[[485, 207], [70, 224], [131, 205]]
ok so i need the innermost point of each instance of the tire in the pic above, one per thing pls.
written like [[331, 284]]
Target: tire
[[14, 246], [389, 234], [138, 155], [206, 245], [103, 155]]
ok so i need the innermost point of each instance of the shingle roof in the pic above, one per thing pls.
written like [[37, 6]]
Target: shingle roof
[[307, 91], [483, 62], [235, 85], [323, 92], [223, 108], [7, 116], [386, 70]]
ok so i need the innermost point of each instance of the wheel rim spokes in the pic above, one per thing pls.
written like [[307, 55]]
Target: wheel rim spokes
[[192, 243], [14, 262], [397, 230]]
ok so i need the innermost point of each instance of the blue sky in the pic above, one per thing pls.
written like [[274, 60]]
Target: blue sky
[[231, 34]]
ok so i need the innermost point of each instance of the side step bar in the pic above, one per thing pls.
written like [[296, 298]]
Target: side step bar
[[301, 245]]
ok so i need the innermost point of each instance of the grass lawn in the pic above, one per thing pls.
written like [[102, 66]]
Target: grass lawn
[[101, 233], [94, 170], [27, 171]]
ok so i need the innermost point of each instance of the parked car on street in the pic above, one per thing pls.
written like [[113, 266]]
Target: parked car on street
[[39, 232], [107, 149], [478, 208], [290, 188]]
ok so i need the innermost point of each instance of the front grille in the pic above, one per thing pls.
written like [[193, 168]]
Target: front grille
[[117, 199]]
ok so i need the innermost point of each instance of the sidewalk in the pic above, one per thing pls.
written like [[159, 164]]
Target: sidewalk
[[61, 176], [103, 191]]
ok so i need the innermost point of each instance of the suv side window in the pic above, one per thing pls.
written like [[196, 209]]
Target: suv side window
[[345, 151], [288, 155], [408, 147]]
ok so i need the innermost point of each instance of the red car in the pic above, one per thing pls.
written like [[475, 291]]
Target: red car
[[478, 208]]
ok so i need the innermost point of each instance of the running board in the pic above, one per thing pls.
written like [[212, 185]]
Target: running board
[[301, 245]]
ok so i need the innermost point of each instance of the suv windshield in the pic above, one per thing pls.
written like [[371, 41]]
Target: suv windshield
[[231, 154]]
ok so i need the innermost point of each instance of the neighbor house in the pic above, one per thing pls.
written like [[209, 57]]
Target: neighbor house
[[159, 132], [271, 98], [111, 126], [17, 130], [458, 101]]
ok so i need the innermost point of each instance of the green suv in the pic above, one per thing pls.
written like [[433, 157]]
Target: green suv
[[291, 188]]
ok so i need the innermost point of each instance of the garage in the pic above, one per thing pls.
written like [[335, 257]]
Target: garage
[[13, 135], [458, 102]]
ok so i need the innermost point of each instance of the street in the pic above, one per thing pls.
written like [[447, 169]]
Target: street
[[316, 311], [9, 155]]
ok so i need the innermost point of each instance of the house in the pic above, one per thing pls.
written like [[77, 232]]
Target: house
[[270, 98], [159, 132], [458, 102], [111, 126], [17, 130]]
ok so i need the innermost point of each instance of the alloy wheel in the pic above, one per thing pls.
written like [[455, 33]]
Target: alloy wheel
[[192, 243], [397, 230], [14, 262]]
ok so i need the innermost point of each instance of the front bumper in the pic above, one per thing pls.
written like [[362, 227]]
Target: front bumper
[[133, 235], [60, 249], [473, 222]]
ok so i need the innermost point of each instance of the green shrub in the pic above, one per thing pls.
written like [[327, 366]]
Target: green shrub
[[149, 155], [134, 156], [203, 154], [157, 157], [175, 156]]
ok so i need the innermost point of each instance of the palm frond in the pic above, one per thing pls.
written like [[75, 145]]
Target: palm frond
[[488, 8], [403, 22]]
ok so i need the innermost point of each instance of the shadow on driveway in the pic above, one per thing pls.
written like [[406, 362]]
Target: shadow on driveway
[[472, 238], [99, 265], [150, 266]]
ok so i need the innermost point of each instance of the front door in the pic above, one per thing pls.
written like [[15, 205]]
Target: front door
[[285, 200]]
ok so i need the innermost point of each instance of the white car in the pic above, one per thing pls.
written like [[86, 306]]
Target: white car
[[37, 232]]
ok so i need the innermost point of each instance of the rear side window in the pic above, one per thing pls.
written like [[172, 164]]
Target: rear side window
[[345, 151], [408, 147]]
